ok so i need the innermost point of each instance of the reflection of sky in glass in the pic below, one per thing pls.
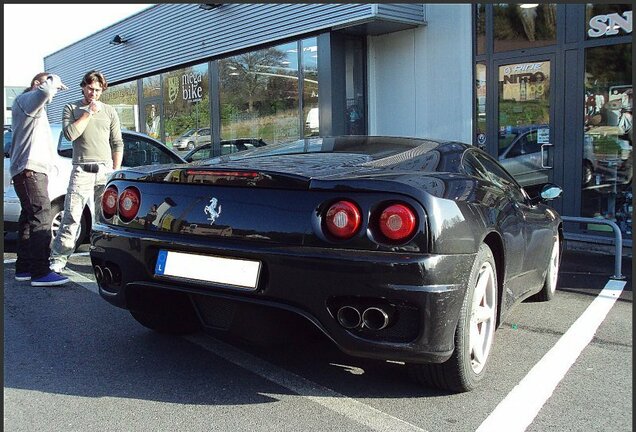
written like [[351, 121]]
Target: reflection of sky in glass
[[310, 54]]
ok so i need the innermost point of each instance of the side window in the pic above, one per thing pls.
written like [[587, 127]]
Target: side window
[[472, 166], [138, 151], [227, 148], [501, 177], [532, 144], [518, 148], [64, 146], [202, 153]]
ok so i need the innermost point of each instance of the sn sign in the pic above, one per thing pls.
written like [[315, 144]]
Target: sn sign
[[608, 25]]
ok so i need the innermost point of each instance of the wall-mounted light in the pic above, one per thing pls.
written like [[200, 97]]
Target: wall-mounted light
[[210, 6], [118, 40], [528, 5]]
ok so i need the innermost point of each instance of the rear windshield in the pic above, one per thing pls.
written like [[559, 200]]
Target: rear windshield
[[376, 147]]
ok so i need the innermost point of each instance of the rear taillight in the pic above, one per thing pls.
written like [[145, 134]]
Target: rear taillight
[[109, 202], [397, 222], [129, 202], [343, 219]]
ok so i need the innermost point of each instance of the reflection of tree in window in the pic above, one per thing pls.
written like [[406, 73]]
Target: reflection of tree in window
[[181, 114], [524, 26], [249, 77]]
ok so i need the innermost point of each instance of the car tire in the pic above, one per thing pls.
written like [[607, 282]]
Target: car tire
[[190, 146], [168, 313], [549, 286], [588, 173], [57, 214], [474, 334]]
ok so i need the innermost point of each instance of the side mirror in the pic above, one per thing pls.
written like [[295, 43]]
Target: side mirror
[[550, 191]]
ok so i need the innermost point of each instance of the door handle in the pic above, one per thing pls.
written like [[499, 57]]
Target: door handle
[[545, 156]]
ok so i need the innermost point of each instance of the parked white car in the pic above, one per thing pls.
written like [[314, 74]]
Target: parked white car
[[139, 149], [192, 138]]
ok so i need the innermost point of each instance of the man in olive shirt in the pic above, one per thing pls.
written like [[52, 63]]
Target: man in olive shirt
[[94, 129]]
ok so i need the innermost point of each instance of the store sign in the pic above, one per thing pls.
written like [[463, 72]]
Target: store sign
[[173, 88], [528, 72], [609, 25], [191, 88]]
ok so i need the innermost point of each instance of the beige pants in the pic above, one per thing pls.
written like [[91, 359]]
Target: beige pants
[[84, 188]]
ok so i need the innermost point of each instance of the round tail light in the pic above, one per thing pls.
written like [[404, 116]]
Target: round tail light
[[343, 219], [109, 202], [129, 202], [397, 222]]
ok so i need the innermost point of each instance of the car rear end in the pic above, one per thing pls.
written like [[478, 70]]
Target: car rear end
[[355, 261]]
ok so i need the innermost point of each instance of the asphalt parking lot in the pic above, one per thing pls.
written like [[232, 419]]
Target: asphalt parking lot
[[75, 363]]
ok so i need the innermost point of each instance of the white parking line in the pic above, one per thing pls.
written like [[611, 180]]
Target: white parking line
[[12, 260], [517, 411], [352, 409], [81, 280], [513, 414]]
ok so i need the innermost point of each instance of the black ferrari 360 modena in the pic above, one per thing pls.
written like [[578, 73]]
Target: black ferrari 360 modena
[[402, 249]]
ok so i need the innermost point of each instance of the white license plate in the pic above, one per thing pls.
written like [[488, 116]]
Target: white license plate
[[239, 273]]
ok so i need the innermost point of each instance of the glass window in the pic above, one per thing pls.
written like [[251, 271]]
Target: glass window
[[202, 152], [473, 167], [606, 20], [310, 86], [355, 113], [151, 86], [480, 103], [10, 93], [607, 144], [153, 121], [525, 25], [123, 97], [186, 101], [524, 120], [139, 151], [480, 29], [524, 100], [259, 94]]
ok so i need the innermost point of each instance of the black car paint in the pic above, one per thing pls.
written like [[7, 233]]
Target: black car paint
[[307, 272]]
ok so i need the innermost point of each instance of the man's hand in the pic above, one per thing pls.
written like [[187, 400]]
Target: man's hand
[[94, 107], [57, 82]]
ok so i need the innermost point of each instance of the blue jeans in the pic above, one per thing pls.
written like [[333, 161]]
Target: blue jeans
[[34, 225]]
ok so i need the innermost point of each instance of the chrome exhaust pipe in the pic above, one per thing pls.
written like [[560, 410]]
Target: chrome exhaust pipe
[[375, 318], [99, 274], [349, 317], [108, 275]]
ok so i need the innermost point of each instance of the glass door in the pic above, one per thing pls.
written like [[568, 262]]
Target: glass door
[[524, 113], [152, 118]]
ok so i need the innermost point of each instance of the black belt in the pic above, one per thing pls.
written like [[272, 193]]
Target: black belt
[[89, 167]]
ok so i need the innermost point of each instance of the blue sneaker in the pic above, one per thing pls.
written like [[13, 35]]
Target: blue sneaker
[[51, 279], [22, 277]]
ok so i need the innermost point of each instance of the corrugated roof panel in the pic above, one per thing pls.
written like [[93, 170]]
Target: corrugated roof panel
[[168, 36]]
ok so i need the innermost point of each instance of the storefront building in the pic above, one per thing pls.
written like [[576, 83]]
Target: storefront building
[[547, 88]]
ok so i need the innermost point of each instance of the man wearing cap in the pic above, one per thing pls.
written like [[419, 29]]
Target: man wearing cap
[[32, 150], [94, 129]]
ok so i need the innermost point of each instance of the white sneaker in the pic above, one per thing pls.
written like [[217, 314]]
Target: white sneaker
[[57, 267]]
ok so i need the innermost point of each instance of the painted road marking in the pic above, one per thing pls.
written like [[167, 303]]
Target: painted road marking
[[517, 411], [12, 260], [82, 280], [352, 409]]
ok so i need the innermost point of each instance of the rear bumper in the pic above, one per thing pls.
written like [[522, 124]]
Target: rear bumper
[[422, 293]]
